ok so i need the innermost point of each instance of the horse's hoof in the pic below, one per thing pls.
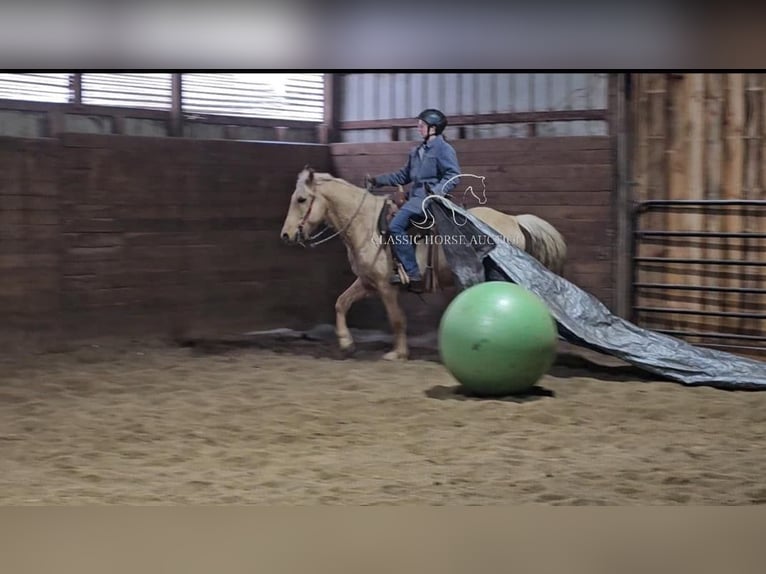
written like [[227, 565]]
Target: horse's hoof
[[348, 350], [394, 356]]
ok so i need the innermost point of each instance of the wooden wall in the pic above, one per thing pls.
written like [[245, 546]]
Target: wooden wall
[[105, 235], [111, 234], [701, 137], [566, 180], [30, 238]]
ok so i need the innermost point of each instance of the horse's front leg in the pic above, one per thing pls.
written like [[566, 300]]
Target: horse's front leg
[[354, 293], [390, 297]]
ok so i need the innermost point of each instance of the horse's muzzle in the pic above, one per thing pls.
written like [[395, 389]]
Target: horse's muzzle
[[295, 240]]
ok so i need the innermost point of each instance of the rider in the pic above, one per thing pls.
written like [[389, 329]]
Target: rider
[[432, 166]]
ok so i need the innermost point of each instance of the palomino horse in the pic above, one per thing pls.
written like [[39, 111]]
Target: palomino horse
[[354, 212]]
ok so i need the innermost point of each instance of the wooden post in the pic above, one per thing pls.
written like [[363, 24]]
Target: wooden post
[[280, 133], [751, 277], [75, 85], [176, 111], [619, 131], [118, 124], [676, 149], [656, 179], [56, 122], [329, 132], [641, 115], [694, 220], [713, 176], [732, 183], [762, 190], [642, 122]]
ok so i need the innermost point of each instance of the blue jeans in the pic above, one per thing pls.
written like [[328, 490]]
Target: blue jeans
[[403, 247]]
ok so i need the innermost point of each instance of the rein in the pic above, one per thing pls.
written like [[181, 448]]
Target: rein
[[311, 242]]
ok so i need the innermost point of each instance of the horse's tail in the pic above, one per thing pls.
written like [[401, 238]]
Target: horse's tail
[[546, 244]]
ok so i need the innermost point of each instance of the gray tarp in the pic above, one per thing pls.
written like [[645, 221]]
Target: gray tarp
[[582, 319]]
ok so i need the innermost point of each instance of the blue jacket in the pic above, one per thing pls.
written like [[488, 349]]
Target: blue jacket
[[438, 166]]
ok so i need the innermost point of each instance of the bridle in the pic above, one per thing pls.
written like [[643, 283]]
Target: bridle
[[310, 241], [305, 217]]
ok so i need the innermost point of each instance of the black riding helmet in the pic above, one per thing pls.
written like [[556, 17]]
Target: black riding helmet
[[435, 118]]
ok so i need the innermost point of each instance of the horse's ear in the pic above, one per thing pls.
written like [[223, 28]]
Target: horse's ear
[[310, 176]]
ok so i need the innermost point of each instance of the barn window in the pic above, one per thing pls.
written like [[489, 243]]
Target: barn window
[[36, 87], [276, 96], [128, 90]]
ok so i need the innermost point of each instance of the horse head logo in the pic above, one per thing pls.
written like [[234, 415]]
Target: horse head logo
[[428, 221]]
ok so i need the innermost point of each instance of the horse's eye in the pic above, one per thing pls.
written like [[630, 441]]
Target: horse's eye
[[301, 199]]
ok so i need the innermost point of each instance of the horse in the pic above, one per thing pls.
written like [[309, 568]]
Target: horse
[[355, 212]]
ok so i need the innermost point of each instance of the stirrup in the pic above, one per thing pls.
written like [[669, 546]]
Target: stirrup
[[399, 275]]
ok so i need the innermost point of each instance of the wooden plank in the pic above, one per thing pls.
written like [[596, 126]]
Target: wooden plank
[[85, 225], [224, 148], [676, 149], [27, 246], [585, 177], [513, 182], [92, 239], [30, 278], [14, 231], [732, 183], [16, 261], [85, 109], [752, 187], [619, 129], [500, 168], [563, 212], [28, 217], [42, 147], [542, 157], [762, 188], [695, 162], [176, 118], [145, 113], [116, 277], [28, 202], [472, 157], [332, 108], [196, 221], [601, 252], [656, 183], [527, 145], [506, 199], [641, 115], [35, 309], [591, 281], [713, 170], [477, 119], [534, 144]]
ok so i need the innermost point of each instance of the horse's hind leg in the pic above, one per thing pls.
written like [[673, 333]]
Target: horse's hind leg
[[354, 293], [398, 321]]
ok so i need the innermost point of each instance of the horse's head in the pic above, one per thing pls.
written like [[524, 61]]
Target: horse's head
[[307, 209]]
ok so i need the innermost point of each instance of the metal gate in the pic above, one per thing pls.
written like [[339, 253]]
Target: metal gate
[[699, 272]]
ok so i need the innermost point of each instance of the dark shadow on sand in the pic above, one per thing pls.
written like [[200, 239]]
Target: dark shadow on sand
[[460, 393], [320, 342]]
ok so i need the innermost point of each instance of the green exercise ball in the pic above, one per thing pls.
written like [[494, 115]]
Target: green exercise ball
[[497, 338]]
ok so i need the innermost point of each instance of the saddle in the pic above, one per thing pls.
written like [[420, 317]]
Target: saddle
[[390, 208]]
